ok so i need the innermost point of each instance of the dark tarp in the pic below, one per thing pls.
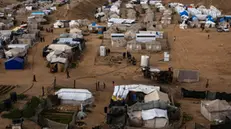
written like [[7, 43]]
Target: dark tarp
[[206, 94], [193, 94]]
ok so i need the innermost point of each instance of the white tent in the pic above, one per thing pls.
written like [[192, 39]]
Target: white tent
[[216, 109], [73, 24], [52, 55], [76, 30], [15, 52], [58, 24], [156, 95], [122, 91], [23, 46], [155, 118], [75, 96], [60, 47]]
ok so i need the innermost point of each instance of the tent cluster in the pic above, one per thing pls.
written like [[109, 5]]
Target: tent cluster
[[15, 43], [197, 16], [147, 106], [67, 48], [133, 32]]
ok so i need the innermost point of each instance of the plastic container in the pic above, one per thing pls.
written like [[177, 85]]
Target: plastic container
[[144, 61], [102, 51]]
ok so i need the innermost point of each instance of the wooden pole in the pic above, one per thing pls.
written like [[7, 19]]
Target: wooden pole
[[54, 84], [74, 83]]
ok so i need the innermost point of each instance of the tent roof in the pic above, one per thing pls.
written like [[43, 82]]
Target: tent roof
[[74, 94], [217, 105], [156, 95], [122, 91], [16, 59]]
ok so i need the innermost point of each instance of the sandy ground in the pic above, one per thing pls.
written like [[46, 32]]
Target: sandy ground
[[191, 50]]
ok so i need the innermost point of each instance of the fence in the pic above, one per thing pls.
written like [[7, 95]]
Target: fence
[[206, 95]]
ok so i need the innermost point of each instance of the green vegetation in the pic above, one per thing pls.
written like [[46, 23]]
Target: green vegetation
[[27, 112], [186, 117], [57, 116], [21, 96], [13, 114]]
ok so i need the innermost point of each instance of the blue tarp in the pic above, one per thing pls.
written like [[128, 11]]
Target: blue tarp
[[14, 63], [184, 13], [222, 20], [38, 13], [227, 17], [210, 18], [194, 18]]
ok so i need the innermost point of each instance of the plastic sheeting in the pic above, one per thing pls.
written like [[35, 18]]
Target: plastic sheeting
[[154, 113], [122, 91], [60, 47], [74, 94]]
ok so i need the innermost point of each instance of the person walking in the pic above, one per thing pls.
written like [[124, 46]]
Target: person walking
[[43, 91], [208, 36]]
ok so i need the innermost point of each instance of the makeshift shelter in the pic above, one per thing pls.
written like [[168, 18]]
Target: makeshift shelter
[[58, 24], [75, 96], [215, 110], [23, 46], [15, 63], [15, 52], [60, 47], [76, 30], [187, 76], [156, 95], [73, 24], [122, 91], [155, 118], [118, 40], [58, 64]]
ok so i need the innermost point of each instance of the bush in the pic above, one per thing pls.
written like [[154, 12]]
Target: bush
[[14, 114], [2, 107], [21, 96], [186, 117], [35, 101], [28, 112]]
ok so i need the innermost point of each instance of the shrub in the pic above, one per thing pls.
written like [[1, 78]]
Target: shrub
[[35, 101], [21, 96], [186, 117], [28, 112], [14, 114]]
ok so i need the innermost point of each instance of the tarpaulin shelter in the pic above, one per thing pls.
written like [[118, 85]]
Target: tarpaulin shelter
[[15, 63], [75, 96], [216, 109]]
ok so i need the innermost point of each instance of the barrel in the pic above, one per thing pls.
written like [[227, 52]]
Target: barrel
[[144, 61], [100, 30]]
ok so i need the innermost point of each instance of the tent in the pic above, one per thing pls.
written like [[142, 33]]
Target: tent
[[73, 24], [76, 30], [15, 63], [216, 109], [58, 24], [75, 96], [122, 91], [156, 95], [60, 47], [155, 118]]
